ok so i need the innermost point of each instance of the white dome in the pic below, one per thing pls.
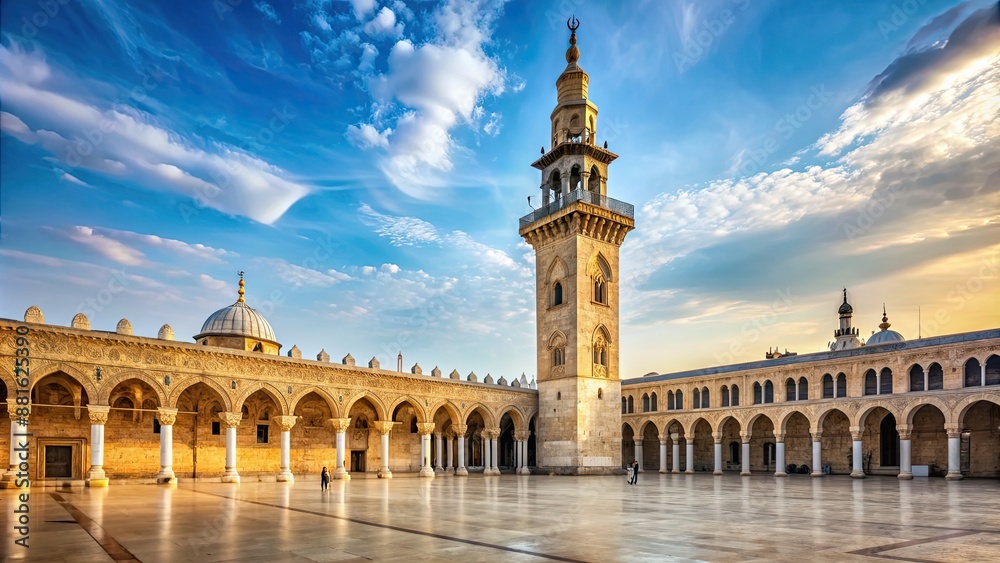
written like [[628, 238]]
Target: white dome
[[238, 319], [885, 336]]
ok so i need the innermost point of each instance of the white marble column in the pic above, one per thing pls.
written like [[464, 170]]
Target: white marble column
[[905, 465], [982, 373], [460, 430], [98, 418], [522, 438], [638, 455], [745, 454], [285, 424], [954, 455], [439, 453], [231, 420], [486, 450], [675, 465], [689, 454], [425, 429], [858, 468], [663, 456], [449, 469], [167, 418], [494, 457], [717, 470], [17, 435], [817, 443], [779, 456], [340, 426], [384, 428]]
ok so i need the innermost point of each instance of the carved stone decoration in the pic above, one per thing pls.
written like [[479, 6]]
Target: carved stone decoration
[[285, 423], [340, 424], [383, 427], [167, 417], [231, 419], [599, 370], [34, 315], [98, 413], [460, 429], [81, 322], [425, 428]]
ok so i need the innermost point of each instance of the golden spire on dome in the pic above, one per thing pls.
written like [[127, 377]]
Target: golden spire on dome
[[241, 290], [573, 53], [885, 320]]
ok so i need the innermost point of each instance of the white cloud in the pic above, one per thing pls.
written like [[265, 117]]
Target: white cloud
[[389, 269], [300, 276], [362, 8], [177, 247], [384, 23], [268, 11], [401, 231], [368, 55], [365, 136], [104, 246], [131, 144], [73, 179], [212, 283]]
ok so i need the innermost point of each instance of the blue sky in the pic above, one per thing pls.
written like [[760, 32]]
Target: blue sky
[[365, 163]]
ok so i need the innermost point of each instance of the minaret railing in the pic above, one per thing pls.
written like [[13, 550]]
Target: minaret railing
[[584, 195]]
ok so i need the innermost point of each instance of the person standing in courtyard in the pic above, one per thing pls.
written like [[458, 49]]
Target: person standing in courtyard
[[635, 472], [325, 479]]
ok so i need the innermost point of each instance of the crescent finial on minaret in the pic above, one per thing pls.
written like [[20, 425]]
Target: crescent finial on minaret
[[572, 23]]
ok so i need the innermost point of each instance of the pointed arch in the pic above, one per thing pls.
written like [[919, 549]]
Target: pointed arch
[[294, 401], [374, 400], [598, 265], [109, 384], [516, 416], [489, 417], [454, 416], [862, 415], [783, 419], [210, 382], [68, 370], [906, 415], [557, 270], [417, 408], [270, 390]]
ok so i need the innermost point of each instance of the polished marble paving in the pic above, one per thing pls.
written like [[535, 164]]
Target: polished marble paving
[[517, 518]]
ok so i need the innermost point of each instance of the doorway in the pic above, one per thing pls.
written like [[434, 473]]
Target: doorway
[[58, 462], [358, 461]]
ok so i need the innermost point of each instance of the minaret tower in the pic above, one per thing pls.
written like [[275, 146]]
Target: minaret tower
[[576, 234], [847, 335]]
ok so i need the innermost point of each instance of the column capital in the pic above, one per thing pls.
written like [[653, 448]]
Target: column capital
[[905, 431], [167, 417], [98, 413], [231, 419], [383, 427], [817, 435], [438, 434], [664, 441], [779, 438], [491, 433], [285, 423], [856, 433], [425, 428], [340, 424], [522, 435], [675, 436], [744, 436], [717, 436], [12, 407], [460, 430]]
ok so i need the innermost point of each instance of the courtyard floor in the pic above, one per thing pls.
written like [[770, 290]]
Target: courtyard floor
[[511, 518]]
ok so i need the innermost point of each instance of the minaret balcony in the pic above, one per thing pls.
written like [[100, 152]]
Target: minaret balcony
[[626, 210]]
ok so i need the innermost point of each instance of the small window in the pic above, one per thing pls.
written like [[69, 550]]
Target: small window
[[624, 405], [156, 426], [600, 393], [735, 393], [216, 428], [652, 402], [600, 290], [559, 395], [262, 433], [631, 405], [557, 294], [558, 357]]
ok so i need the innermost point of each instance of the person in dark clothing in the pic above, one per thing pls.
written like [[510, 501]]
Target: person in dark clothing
[[635, 472], [324, 479]]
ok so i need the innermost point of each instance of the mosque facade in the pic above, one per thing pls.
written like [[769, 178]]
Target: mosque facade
[[103, 406]]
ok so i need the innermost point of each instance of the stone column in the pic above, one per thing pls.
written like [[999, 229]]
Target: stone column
[[425, 429], [905, 467], [231, 420], [439, 454], [490, 442], [689, 454], [384, 428], [638, 455], [167, 418], [517, 454], [450, 448], [676, 447], [285, 424], [745, 454], [779, 455], [817, 441], [98, 418], [954, 459], [982, 373], [17, 434], [663, 456], [718, 453], [460, 430], [522, 440], [858, 469], [494, 456], [340, 426]]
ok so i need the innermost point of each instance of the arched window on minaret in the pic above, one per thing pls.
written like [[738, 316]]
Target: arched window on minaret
[[555, 184], [600, 273], [557, 344], [594, 182], [557, 294], [575, 178]]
